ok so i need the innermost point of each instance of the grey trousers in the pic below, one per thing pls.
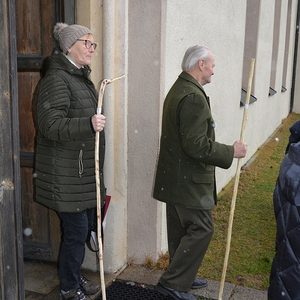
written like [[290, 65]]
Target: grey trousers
[[189, 234]]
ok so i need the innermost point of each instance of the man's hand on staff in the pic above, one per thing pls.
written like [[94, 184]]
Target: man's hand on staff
[[98, 122], [240, 149]]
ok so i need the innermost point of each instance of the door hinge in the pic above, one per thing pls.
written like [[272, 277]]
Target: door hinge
[[1, 193], [5, 184]]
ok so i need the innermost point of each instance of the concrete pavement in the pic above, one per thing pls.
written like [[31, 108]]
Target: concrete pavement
[[41, 283], [140, 274]]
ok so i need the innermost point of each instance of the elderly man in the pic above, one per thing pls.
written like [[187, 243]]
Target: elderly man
[[185, 178]]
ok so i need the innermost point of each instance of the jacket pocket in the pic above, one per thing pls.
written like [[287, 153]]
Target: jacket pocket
[[80, 163], [206, 178]]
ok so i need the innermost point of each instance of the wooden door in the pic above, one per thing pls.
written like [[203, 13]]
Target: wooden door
[[11, 250], [34, 25]]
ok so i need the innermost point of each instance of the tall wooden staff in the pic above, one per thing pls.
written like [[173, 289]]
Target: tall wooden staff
[[98, 189], [236, 182]]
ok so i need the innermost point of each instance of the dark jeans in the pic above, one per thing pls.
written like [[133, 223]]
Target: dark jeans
[[75, 228]]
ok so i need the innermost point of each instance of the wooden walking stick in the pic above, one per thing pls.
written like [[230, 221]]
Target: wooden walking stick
[[104, 82], [236, 182]]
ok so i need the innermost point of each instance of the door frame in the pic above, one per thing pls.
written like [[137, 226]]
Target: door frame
[[11, 241], [11, 233]]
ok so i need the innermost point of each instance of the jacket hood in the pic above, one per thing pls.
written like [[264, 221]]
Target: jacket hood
[[58, 61], [289, 178], [294, 153]]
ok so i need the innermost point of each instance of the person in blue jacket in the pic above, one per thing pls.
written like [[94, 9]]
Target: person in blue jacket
[[285, 270]]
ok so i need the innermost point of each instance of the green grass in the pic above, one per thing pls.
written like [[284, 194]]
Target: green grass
[[253, 234]]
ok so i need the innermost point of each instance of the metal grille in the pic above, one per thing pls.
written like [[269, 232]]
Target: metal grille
[[119, 290]]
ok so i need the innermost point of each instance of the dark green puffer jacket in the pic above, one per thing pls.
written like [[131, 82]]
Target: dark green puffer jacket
[[65, 168]]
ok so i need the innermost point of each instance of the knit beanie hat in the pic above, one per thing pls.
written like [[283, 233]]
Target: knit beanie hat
[[66, 35]]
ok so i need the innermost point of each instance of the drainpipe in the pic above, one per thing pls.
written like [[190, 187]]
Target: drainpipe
[[295, 59]]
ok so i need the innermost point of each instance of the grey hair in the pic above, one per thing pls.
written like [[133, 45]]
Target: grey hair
[[192, 55]]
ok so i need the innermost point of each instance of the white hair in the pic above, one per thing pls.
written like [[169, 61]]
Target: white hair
[[192, 55]]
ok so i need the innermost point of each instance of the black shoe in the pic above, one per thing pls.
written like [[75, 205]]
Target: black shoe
[[173, 293], [88, 287], [199, 283], [74, 294]]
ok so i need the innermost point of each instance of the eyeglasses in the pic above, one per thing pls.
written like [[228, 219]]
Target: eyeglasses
[[88, 44]]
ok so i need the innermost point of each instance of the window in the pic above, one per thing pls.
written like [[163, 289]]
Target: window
[[276, 35], [287, 46], [250, 44]]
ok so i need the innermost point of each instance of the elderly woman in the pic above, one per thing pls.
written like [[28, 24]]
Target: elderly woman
[[67, 121]]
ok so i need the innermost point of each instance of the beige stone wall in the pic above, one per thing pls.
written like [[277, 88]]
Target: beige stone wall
[[146, 41]]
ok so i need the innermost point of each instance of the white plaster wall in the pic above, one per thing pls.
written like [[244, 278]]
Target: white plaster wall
[[219, 25], [115, 64], [146, 62], [108, 21], [147, 40], [266, 114], [159, 34]]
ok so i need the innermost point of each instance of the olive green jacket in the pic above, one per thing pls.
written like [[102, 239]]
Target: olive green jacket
[[66, 99], [188, 155]]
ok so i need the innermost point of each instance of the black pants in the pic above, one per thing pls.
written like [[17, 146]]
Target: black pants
[[75, 228], [189, 234]]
